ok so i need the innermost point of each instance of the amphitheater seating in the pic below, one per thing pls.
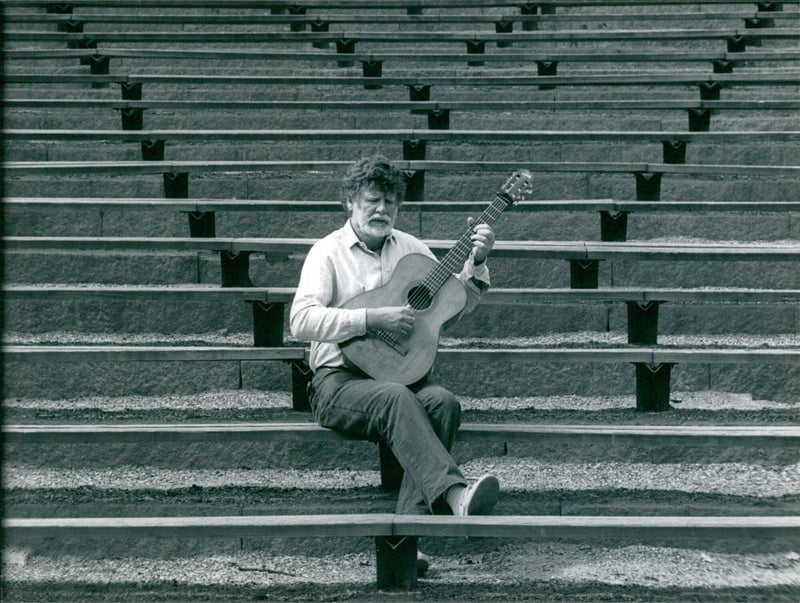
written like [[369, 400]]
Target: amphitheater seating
[[396, 536]]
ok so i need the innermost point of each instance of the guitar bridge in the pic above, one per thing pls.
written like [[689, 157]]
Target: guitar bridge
[[391, 340]]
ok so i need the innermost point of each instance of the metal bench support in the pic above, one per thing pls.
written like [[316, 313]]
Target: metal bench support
[[176, 186], [153, 150], [59, 8], [345, 46], [132, 119], [415, 185], [301, 378], [613, 226], [547, 69], [584, 274], [268, 324], [320, 27], [699, 120], [372, 69], [722, 66], [396, 561], [202, 224], [529, 9], [648, 186], [643, 323], [297, 10], [439, 119], [83, 44], [736, 43], [414, 150], [476, 47], [419, 92], [99, 65], [72, 26], [652, 386], [235, 268], [502, 27], [131, 91], [710, 90], [674, 151]]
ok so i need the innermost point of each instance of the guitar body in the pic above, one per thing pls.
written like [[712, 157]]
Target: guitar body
[[405, 360]]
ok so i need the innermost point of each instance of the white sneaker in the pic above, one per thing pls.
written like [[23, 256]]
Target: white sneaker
[[479, 498]]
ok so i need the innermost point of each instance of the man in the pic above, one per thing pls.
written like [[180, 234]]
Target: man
[[418, 422]]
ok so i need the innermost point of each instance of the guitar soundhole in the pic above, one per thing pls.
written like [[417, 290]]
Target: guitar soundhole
[[419, 297]]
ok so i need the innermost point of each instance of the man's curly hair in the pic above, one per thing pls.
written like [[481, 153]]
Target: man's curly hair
[[377, 171]]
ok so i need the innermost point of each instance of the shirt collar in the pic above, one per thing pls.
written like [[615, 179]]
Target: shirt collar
[[351, 238]]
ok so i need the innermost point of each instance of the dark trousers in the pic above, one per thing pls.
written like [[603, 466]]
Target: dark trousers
[[418, 424]]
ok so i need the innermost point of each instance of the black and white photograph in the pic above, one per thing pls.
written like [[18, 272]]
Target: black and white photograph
[[400, 300]]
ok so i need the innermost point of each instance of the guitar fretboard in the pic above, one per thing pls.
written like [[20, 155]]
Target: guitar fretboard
[[455, 258]]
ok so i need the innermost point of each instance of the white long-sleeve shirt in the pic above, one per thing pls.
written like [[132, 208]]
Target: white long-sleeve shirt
[[339, 267]]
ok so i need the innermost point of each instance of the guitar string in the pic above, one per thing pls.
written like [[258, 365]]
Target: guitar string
[[437, 277]]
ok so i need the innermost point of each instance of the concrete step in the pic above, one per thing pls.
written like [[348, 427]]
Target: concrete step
[[186, 317], [438, 185], [69, 379]]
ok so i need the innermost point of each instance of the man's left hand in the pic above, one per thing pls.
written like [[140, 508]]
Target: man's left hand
[[482, 240]]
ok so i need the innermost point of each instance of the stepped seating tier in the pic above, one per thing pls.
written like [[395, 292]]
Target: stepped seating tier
[[141, 394]]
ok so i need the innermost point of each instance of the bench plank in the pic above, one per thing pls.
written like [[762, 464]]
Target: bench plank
[[678, 528], [121, 353], [492, 296], [364, 4], [554, 205], [651, 435], [562, 35], [768, 78], [571, 250], [255, 135], [285, 526], [632, 354], [160, 167], [405, 57], [357, 105], [262, 19], [675, 528]]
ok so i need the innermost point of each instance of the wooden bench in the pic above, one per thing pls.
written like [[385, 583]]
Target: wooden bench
[[367, 4], [772, 437], [709, 84], [653, 364], [269, 302], [372, 62], [131, 112], [176, 173], [737, 36], [396, 535], [202, 212], [317, 22], [582, 255], [765, 436], [414, 141]]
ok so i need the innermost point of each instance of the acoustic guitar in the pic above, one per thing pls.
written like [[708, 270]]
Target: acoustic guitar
[[430, 288]]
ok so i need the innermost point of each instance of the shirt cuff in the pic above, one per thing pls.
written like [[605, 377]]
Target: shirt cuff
[[479, 273]]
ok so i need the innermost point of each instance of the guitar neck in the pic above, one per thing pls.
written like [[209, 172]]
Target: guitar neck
[[455, 258]]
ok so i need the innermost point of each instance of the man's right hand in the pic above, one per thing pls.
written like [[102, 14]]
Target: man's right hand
[[395, 319]]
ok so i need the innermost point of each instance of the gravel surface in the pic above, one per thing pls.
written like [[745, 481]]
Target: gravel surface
[[514, 473], [259, 399], [572, 339], [555, 563]]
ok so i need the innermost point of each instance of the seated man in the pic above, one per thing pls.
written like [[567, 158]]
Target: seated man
[[417, 422]]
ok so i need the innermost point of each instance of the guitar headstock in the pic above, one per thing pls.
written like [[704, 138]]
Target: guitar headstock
[[516, 187]]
